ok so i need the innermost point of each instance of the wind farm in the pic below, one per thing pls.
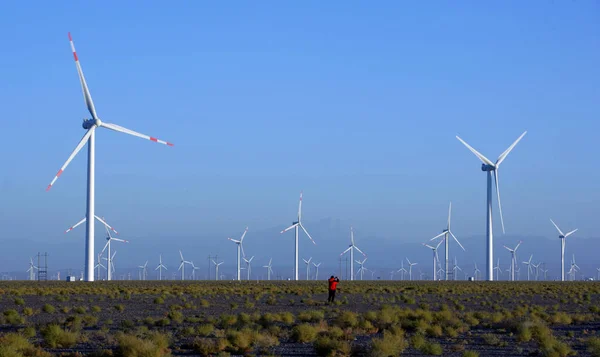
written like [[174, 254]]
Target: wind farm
[[363, 114]]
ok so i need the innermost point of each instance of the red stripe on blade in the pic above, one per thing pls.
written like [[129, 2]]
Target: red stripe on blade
[[169, 144], [154, 139], [70, 39], [75, 56], [59, 173], [48, 188]]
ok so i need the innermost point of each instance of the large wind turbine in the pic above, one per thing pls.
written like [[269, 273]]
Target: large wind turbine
[[160, 267], [296, 225], [351, 250], [435, 257], [445, 233], [563, 242], [240, 253], [513, 260], [269, 270], [307, 262], [488, 166], [90, 138]]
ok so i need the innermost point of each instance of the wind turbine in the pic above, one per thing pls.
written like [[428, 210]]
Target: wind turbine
[[476, 272], [240, 253], [435, 257], [110, 262], [307, 262], [455, 268], [98, 265], [90, 138], [269, 270], [194, 268], [528, 263], [110, 238], [498, 270], [248, 261], [574, 268], [160, 267], [537, 270], [445, 233], [563, 242], [598, 274], [31, 270], [362, 267], [143, 271], [410, 269], [217, 269], [513, 260], [402, 270], [351, 250], [317, 271], [392, 274], [182, 266], [296, 225], [488, 167]]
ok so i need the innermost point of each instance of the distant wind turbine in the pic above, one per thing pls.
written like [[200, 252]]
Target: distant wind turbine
[[182, 265], [248, 267], [240, 253], [160, 267], [307, 262], [269, 270], [317, 270], [217, 269], [410, 265], [31, 270], [498, 270], [445, 233], [528, 263], [362, 268], [435, 257], [143, 271], [476, 272], [513, 260], [563, 243], [351, 249], [489, 167], [296, 225]]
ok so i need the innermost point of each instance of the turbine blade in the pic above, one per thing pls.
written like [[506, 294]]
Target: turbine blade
[[558, 229], [181, 255], [571, 232], [439, 235], [103, 249], [498, 194], [438, 245], [121, 129], [106, 224], [346, 251], [428, 246], [483, 159], [361, 252], [244, 234], [120, 240], [510, 250], [456, 239], [300, 207], [507, 151], [288, 228], [352, 235], [76, 224], [235, 241], [449, 214], [82, 142], [86, 92], [305, 231]]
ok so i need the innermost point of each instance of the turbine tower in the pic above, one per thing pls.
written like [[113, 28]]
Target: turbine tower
[[31, 270], [98, 266], [489, 167], [160, 267], [528, 263], [362, 268], [240, 253], [351, 249], [307, 262], [513, 260], [445, 233], [317, 270], [410, 265], [296, 225], [90, 138], [435, 257], [143, 271], [217, 269], [563, 242], [498, 270], [269, 270], [182, 266], [248, 266]]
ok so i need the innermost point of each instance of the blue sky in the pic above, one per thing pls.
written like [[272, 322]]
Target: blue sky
[[357, 104]]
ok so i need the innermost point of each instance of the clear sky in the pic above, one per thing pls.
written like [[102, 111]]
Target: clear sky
[[356, 103]]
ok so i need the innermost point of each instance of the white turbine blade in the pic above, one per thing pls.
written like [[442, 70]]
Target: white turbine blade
[[180, 266], [105, 246], [352, 235], [449, 214], [456, 239], [235, 241], [164, 267], [517, 247], [507, 151], [510, 250], [215, 263], [558, 229], [253, 258], [439, 235], [498, 194], [121, 129], [300, 208], [361, 252], [290, 227], [428, 246], [82, 142], [86, 92], [120, 240], [346, 251], [243, 235], [440, 242], [305, 231], [75, 225], [242, 248], [181, 255], [105, 224], [571, 232], [483, 159], [305, 261], [408, 261]]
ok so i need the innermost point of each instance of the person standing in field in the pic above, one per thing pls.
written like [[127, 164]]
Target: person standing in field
[[333, 281]]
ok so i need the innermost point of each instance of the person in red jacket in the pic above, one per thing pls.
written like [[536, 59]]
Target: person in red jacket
[[333, 281]]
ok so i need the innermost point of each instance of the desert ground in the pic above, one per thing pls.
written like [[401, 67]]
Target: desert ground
[[283, 318]]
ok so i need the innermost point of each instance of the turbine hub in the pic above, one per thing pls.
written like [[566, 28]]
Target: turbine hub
[[486, 167], [561, 237], [89, 123]]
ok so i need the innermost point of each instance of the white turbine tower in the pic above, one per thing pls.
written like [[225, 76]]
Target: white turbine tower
[[351, 250], [98, 266], [317, 270], [410, 265], [574, 268], [90, 138], [160, 267], [143, 271], [194, 268], [476, 272], [240, 253], [528, 263], [498, 269], [269, 270], [488, 167], [248, 266], [362, 268], [182, 266], [513, 260], [296, 225], [537, 270], [455, 268], [110, 238], [598, 274], [31, 270], [402, 270], [307, 262], [563, 242], [217, 269], [445, 233], [435, 257]]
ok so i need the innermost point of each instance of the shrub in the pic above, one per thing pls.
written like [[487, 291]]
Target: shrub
[[264, 342], [205, 330], [593, 346], [16, 345], [470, 354], [491, 339], [120, 307], [47, 308], [12, 317], [328, 346], [304, 333], [347, 319], [55, 337], [209, 346], [80, 310], [153, 345], [204, 303], [159, 300], [27, 311], [19, 301], [389, 345], [96, 309], [432, 348], [311, 316]]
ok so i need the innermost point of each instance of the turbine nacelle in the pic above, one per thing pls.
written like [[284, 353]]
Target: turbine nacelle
[[486, 167], [90, 123]]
